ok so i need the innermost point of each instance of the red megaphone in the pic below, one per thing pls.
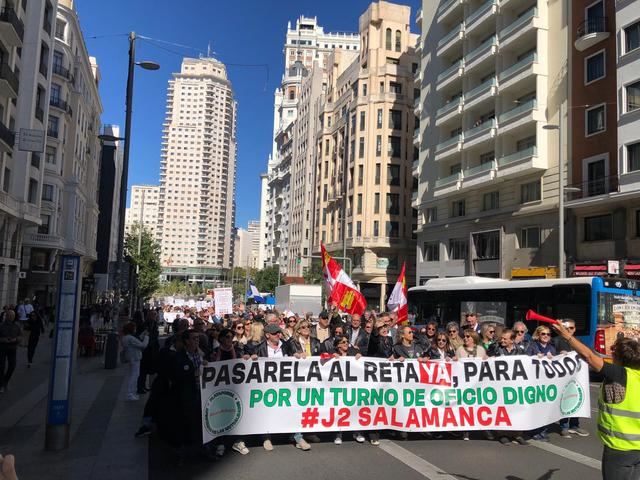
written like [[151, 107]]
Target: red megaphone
[[536, 317]]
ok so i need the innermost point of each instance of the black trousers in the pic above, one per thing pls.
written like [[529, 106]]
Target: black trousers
[[620, 464], [7, 356], [31, 347]]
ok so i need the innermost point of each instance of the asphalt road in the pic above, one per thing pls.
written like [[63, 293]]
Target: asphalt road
[[416, 458]]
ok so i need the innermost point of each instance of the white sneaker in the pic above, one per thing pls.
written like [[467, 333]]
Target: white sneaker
[[338, 439], [268, 446], [132, 398], [303, 445], [358, 437], [241, 448]]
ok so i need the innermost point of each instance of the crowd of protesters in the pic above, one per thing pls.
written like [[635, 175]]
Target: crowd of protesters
[[199, 337]]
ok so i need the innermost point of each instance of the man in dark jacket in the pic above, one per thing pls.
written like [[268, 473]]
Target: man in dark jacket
[[10, 336], [321, 331], [355, 331]]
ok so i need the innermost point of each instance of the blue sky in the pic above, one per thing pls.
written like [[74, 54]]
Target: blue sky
[[240, 32]]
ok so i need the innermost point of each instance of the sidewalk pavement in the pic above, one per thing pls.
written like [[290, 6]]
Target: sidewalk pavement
[[102, 445]]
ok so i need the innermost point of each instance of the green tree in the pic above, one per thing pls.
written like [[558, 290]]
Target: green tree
[[148, 259], [313, 274], [266, 280]]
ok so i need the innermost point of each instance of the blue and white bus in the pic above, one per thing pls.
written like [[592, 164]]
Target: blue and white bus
[[602, 308]]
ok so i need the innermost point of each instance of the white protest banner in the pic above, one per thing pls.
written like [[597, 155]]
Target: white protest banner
[[223, 300], [287, 395]]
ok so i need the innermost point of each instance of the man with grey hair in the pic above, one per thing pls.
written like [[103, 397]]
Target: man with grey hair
[[523, 339], [271, 318]]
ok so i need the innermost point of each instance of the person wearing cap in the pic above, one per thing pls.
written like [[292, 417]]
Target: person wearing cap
[[274, 347], [472, 322], [321, 331]]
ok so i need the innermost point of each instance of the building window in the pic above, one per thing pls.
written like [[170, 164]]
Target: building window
[[530, 237], [361, 148], [33, 192], [458, 248], [598, 228], [394, 148], [387, 42], [491, 201], [393, 203], [362, 121], [376, 228], [377, 177], [364, 89], [360, 175], [595, 120], [379, 122], [393, 175], [393, 229], [431, 215], [526, 143], [487, 245], [6, 180], [432, 251], [395, 87], [632, 37], [633, 157], [594, 67], [60, 26], [633, 96], [50, 155], [530, 192], [395, 119], [458, 208], [398, 40], [378, 145], [44, 227], [47, 192], [358, 229], [359, 204], [52, 126], [376, 203]]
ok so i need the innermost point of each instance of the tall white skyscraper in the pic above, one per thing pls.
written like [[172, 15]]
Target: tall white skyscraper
[[196, 207], [143, 208]]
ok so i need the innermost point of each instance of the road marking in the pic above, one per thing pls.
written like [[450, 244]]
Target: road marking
[[413, 461], [568, 454]]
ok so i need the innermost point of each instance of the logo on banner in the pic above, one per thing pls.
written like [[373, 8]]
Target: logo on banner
[[222, 412], [571, 399]]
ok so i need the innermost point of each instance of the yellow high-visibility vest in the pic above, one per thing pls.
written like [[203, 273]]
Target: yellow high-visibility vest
[[619, 423]]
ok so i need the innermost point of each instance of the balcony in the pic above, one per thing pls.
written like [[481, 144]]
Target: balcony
[[415, 168], [417, 136], [478, 95], [7, 138], [590, 32], [482, 14], [60, 105], [517, 117], [448, 8], [60, 71], [479, 175], [9, 83], [9, 204], [417, 106], [521, 71], [447, 185], [52, 133], [480, 134], [515, 33], [591, 190], [450, 75], [483, 52], [11, 27], [523, 162], [43, 240], [450, 111], [448, 147], [451, 39]]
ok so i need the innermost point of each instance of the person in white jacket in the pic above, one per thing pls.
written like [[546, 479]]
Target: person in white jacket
[[133, 347]]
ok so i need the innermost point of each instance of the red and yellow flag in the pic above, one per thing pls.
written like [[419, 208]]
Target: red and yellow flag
[[398, 299], [340, 288]]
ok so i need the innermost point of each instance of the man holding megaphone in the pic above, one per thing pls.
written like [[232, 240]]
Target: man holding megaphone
[[618, 404]]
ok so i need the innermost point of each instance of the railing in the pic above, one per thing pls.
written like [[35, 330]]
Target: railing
[[416, 132], [592, 188], [491, 123], [483, 167], [486, 85], [451, 35], [61, 71], [444, 5], [514, 112], [415, 165], [450, 71], [592, 25], [58, 103], [8, 15], [452, 105], [52, 133], [441, 182], [488, 43], [6, 135], [10, 202], [518, 22], [449, 142], [531, 58], [7, 74], [517, 156], [480, 11]]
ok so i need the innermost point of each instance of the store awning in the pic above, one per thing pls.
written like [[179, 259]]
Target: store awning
[[632, 270], [590, 271]]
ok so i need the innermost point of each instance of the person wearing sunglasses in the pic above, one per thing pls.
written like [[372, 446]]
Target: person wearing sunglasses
[[302, 344], [453, 332], [541, 346], [488, 337], [289, 327], [342, 348], [523, 339], [441, 348], [407, 346], [240, 337], [328, 345]]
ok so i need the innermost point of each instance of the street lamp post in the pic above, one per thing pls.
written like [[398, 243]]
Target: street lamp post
[[125, 159]]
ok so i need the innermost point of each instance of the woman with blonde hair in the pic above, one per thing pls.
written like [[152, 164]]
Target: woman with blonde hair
[[255, 338]]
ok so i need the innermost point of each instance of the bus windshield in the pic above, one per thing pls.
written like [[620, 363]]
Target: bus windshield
[[621, 310]]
